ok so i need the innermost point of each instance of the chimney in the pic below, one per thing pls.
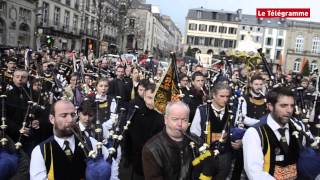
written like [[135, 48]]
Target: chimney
[[239, 14]]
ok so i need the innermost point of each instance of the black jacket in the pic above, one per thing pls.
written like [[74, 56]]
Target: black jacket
[[165, 159], [144, 124]]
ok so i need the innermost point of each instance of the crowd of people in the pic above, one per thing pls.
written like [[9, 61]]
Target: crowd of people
[[60, 109]]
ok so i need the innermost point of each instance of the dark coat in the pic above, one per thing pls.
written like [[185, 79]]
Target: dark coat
[[144, 124]]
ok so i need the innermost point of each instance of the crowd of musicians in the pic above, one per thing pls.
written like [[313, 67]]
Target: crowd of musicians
[[67, 116]]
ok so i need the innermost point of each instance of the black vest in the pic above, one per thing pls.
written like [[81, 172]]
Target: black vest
[[255, 111], [216, 126], [63, 169], [275, 149]]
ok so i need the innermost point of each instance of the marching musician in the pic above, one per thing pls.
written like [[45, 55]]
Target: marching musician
[[106, 103], [168, 155], [212, 127], [73, 91], [8, 73], [16, 105], [253, 104], [270, 149], [119, 86], [197, 93], [86, 116], [184, 84], [135, 77], [145, 123], [60, 157]]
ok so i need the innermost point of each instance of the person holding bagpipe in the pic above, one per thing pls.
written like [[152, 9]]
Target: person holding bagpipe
[[61, 156], [167, 155], [212, 123], [273, 148], [14, 164]]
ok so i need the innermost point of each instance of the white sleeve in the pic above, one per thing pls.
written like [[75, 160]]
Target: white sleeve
[[248, 121], [38, 169], [115, 165], [196, 126], [113, 106], [106, 126], [253, 156]]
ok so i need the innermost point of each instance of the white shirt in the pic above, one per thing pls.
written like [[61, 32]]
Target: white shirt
[[248, 121], [196, 122], [253, 157], [38, 169]]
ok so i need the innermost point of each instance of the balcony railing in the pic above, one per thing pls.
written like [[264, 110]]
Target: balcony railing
[[306, 52], [58, 27]]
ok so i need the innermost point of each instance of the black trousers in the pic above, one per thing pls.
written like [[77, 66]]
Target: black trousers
[[218, 167]]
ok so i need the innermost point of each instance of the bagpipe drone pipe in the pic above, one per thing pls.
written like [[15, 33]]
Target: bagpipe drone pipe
[[9, 157], [97, 168], [308, 164]]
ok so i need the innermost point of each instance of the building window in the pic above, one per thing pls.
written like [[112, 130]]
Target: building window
[[280, 32], [279, 42], [190, 40], [269, 41], [258, 29], [202, 27], [68, 2], [278, 54], [66, 20], [243, 27], [316, 45], [258, 38], [76, 4], [229, 43], [201, 40], [56, 16], [222, 29], [45, 13], [75, 23], [232, 30], [193, 26], [268, 51], [25, 15], [270, 31], [296, 65], [199, 14], [313, 65], [87, 5], [218, 42], [299, 43], [242, 37], [214, 15], [196, 40], [212, 28], [251, 28]]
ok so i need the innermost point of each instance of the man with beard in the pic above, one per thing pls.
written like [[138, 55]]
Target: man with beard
[[60, 157], [270, 149], [197, 94], [253, 104]]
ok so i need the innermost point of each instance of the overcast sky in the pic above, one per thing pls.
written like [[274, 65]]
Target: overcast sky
[[178, 9]]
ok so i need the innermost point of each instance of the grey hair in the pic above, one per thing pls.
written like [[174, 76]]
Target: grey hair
[[220, 86], [176, 103]]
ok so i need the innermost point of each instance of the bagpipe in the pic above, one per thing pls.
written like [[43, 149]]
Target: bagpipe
[[308, 164], [8, 158], [209, 150], [97, 168], [116, 133]]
